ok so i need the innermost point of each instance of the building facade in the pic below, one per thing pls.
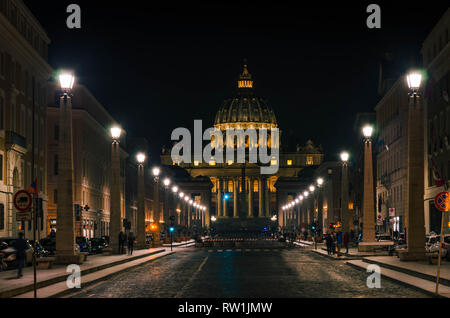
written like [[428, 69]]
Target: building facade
[[436, 58], [91, 162], [391, 158], [24, 72]]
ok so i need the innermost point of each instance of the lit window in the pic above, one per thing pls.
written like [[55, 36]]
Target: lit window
[[350, 206], [196, 163], [230, 162], [273, 162], [309, 161], [289, 162], [212, 163]]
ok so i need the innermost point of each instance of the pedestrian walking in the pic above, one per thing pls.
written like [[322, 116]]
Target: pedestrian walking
[[333, 244], [20, 245], [130, 243], [339, 241], [121, 242], [346, 240], [329, 243]]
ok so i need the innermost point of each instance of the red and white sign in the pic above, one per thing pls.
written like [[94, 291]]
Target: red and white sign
[[442, 201], [22, 200]]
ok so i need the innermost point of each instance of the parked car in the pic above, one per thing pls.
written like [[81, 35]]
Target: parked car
[[9, 252], [432, 245], [40, 250], [383, 238], [98, 245], [83, 244]]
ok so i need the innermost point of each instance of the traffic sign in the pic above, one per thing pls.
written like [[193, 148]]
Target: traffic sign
[[442, 201], [23, 216], [22, 200]]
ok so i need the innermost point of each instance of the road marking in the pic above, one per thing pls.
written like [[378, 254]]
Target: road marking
[[238, 250], [220, 251], [192, 278], [229, 250]]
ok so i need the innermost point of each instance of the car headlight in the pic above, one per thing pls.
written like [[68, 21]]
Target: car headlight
[[11, 258]]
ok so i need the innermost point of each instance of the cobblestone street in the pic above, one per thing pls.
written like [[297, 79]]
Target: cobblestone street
[[199, 273]]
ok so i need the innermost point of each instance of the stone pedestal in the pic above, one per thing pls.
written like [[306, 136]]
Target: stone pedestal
[[67, 259], [412, 256]]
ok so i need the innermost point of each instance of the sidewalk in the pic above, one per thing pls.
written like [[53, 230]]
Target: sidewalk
[[419, 275], [353, 253], [10, 286]]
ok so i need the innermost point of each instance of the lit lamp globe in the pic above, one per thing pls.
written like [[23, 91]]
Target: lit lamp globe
[[116, 131], [156, 171], [181, 194], [319, 182], [345, 156], [174, 189], [213, 218], [414, 80], [301, 198], [305, 194], [367, 131], [166, 182], [140, 157], [312, 188], [191, 202], [66, 80]]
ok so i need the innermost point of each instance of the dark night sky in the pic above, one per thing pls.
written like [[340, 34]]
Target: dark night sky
[[158, 66]]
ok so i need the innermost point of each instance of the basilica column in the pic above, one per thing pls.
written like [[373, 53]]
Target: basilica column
[[208, 206], [250, 197], [261, 201], [219, 197], [266, 198], [235, 197]]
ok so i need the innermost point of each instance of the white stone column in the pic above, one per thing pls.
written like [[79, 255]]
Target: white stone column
[[250, 197], [235, 197]]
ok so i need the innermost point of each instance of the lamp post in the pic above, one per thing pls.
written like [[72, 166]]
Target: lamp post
[[319, 224], [368, 196], [415, 230], [156, 209], [65, 235], [140, 157], [344, 193], [166, 210], [116, 215]]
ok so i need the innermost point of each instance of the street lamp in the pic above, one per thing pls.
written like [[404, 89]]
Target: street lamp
[[166, 182], [368, 131], [415, 229], [311, 188], [115, 214], [66, 80], [65, 240], [319, 182], [156, 171], [344, 156], [344, 192], [174, 189], [181, 195], [140, 157]]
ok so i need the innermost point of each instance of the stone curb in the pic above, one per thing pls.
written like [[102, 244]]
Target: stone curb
[[24, 289], [398, 281], [407, 271]]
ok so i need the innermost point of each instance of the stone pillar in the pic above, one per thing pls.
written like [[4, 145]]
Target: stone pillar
[[235, 197], [225, 212], [345, 219], [320, 210], [116, 217], [261, 197], [65, 234], [208, 211], [219, 197], [156, 214], [415, 230], [141, 208], [250, 197], [368, 203]]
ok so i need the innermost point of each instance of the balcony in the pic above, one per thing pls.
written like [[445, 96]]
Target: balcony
[[16, 141]]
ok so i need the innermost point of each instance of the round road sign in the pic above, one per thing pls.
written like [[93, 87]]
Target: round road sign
[[442, 201], [22, 200]]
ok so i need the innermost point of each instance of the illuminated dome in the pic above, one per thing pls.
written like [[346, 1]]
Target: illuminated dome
[[245, 109]]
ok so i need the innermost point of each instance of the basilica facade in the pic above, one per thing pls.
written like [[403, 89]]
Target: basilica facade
[[238, 190]]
